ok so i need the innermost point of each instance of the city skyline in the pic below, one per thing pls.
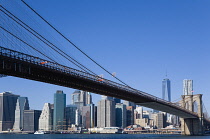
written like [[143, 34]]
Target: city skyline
[[107, 114], [175, 38]]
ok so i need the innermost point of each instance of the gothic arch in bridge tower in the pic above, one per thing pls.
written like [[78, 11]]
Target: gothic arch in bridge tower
[[192, 103], [192, 126], [195, 106], [187, 105]]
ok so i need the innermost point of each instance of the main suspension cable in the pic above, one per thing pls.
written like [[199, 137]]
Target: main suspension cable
[[27, 44], [83, 67], [72, 43]]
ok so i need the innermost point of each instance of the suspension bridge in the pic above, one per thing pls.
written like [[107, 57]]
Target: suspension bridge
[[22, 55]]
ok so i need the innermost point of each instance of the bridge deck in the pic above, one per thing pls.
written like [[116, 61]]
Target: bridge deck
[[21, 65]]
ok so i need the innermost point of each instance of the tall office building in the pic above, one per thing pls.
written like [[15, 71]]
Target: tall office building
[[106, 113], [107, 98], [88, 98], [130, 115], [7, 110], [117, 100], [82, 97], [128, 103], [88, 116], [31, 120], [70, 115], [139, 112], [46, 118], [161, 120], [166, 89], [187, 87], [121, 115], [59, 107], [21, 105], [75, 97]]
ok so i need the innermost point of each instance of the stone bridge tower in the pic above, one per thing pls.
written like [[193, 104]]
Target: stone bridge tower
[[192, 126]]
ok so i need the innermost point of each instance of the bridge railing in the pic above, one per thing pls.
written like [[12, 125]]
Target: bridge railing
[[58, 67]]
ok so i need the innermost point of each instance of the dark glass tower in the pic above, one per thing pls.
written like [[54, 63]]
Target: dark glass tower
[[31, 120], [117, 100], [7, 110], [166, 89], [59, 108]]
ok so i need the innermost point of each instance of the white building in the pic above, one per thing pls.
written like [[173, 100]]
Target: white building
[[187, 87], [45, 119], [139, 111], [21, 105]]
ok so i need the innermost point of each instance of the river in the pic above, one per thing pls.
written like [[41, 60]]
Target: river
[[98, 136]]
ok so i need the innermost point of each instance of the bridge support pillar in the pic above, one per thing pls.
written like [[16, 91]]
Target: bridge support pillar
[[193, 126]]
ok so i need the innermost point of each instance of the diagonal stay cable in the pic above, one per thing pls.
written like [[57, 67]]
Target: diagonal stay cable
[[27, 44], [37, 35], [72, 43]]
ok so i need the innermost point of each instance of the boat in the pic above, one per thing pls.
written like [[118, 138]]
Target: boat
[[39, 132]]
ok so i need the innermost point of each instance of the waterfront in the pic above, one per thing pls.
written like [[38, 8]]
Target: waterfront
[[98, 136]]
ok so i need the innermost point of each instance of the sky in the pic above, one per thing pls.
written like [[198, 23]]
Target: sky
[[140, 40]]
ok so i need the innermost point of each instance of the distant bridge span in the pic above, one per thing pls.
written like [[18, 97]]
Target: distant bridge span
[[21, 65]]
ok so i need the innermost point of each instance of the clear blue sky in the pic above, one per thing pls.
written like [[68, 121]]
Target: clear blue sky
[[137, 39]]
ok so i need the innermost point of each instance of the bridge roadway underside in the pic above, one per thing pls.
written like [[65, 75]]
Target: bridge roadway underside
[[165, 108], [27, 70]]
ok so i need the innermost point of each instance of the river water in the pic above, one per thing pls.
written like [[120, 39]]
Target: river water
[[98, 136]]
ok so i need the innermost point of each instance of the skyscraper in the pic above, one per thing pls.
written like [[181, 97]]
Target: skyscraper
[[81, 97], [128, 103], [121, 117], [7, 110], [187, 87], [75, 97], [117, 100], [88, 117], [59, 108], [107, 97], [46, 118], [106, 113], [166, 89], [31, 120], [70, 114], [139, 114], [21, 105], [130, 115]]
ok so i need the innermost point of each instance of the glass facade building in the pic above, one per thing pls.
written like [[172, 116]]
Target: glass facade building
[[121, 115], [7, 110], [70, 115], [59, 108], [130, 115], [117, 100], [31, 120], [166, 89]]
